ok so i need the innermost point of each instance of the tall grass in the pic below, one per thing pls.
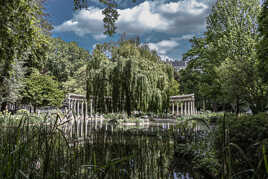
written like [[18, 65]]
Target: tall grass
[[43, 150]]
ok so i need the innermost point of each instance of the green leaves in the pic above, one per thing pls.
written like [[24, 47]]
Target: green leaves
[[134, 77], [111, 15], [42, 90], [23, 43], [223, 64]]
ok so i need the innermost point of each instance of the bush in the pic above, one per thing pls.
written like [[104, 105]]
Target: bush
[[238, 142]]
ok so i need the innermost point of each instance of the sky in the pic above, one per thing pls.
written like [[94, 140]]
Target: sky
[[164, 25]]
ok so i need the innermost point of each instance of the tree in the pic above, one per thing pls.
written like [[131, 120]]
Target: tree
[[22, 40], [200, 76], [226, 57], [134, 77], [263, 44], [67, 63], [233, 26], [42, 90]]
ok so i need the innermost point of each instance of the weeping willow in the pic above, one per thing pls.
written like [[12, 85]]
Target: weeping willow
[[134, 78]]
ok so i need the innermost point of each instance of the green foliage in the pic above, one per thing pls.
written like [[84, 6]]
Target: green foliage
[[43, 151], [67, 63], [42, 90], [263, 44], [134, 77], [223, 65], [200, 76], [23, 42], [110, 13], [239, 144]]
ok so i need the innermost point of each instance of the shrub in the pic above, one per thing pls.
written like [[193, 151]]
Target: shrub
[[238, 143]]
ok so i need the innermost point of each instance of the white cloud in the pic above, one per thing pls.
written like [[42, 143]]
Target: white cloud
[[173, 18], [166, 58], [164, 46], [99, 36], [84, 22], [187, 37], [183, 37]]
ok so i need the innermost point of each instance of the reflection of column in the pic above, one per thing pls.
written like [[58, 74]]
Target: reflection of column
[[172, 108], [181, 108], [177, 108], [69, 104]]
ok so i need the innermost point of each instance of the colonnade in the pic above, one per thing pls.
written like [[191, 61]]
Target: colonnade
[[183, 104], [78, 104]]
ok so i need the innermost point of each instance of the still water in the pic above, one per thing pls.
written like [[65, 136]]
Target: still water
[[113, 152]]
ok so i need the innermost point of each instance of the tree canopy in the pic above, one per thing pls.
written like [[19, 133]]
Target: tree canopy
[[224, 63], [23, 43], [134, 78], [42, 90]]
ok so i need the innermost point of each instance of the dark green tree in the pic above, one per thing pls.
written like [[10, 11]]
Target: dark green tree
[[22, 44], [42, 90], [225, 60], [67, 63], [134, 77]]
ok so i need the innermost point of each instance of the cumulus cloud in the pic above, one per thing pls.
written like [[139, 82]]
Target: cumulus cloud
[[84, 22], [164, 46], [174, 18]]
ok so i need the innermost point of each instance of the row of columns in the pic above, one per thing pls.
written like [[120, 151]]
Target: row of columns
[[80, 107], [185, 108]]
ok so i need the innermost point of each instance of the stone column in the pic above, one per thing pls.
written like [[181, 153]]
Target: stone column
[[91, 108], [192, 111], [82, 109], [172, 107], [86, 110], [185, 107], [189, 106], [77, 107], [194, 108], [181, 108], [177, 108]]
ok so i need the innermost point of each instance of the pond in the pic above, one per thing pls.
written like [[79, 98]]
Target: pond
[[107, 151], [141, 151]]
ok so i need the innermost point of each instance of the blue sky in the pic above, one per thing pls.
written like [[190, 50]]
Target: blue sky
[[165, 25]]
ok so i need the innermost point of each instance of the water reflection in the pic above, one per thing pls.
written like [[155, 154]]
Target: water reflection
[[109, 150]]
